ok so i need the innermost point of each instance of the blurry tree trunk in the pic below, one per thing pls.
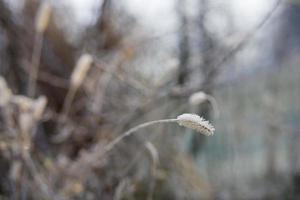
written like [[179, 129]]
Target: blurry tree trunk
[[184, 49], [274, 128], [286, 50], [287, 45], [294, 149], [271, 143], [287, 37], [109, 37]]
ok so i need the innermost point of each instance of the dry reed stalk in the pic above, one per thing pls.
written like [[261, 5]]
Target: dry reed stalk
[[79, 73], [43, 18], [41, 23]]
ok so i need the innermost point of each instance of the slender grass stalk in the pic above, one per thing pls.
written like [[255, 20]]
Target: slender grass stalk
[[41, 23], [35, 62], [214, 105], [112, 144], [187, 120], [79, 73], [67, 103], [153, 170]]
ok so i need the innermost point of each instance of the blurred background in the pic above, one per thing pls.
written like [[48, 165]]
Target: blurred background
[[76, 74]]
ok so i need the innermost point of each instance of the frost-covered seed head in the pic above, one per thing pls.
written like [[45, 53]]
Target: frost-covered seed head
[[196, 123]]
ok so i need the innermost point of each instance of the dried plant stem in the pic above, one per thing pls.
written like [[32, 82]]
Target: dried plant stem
[[35, 62], [67, 103], [187, 120], [112, 144], [98, 152], [49, 194], [214, 105], [79, 73], [153, 169]]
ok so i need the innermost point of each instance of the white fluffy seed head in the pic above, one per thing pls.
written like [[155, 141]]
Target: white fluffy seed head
[[43, 17], [82, 67], [197, 98], [196, 123]]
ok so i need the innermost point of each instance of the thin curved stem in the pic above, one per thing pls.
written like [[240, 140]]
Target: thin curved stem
[[214, 105], [96, 155], [111, 145]]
